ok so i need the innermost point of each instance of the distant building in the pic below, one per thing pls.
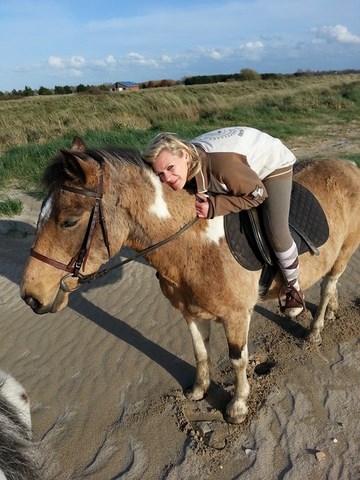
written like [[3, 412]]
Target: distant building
[[121, 86]]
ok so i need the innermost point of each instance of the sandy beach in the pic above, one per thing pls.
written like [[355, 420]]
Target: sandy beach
[[106, 376]]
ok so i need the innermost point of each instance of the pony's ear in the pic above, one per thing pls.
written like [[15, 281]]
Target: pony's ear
[[85, 170], [78, 145]]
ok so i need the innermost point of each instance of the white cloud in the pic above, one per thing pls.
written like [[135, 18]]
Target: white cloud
[[250, 50], [338, 33], [110, 60], [252, 46], [212, 53], [77, 61], [56, 62], [140, 59], [215, 55], [76, 65], [166, 59]]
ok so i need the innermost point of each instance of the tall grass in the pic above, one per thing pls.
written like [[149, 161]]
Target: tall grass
[[32, 130], [42, 119]]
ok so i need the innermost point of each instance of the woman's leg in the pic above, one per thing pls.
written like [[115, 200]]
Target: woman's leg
[[276, 221]]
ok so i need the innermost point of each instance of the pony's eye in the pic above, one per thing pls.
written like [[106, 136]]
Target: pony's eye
[[69, 223]]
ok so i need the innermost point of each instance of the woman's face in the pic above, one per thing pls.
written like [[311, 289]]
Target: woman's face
[[172, 169]]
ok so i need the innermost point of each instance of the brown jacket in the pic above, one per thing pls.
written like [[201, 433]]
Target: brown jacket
[[231, 184]]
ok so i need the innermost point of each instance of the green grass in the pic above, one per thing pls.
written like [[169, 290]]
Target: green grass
[[43, 119], [10, 207], [37, 128]]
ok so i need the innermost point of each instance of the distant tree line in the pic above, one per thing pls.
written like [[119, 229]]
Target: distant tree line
[[159, 83], [246, 74], [57, 90]]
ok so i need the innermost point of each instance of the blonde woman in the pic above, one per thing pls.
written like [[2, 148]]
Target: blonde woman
[[234, 169]]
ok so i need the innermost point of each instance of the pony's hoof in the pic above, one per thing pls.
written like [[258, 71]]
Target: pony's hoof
[[330, 316], [314, 337], [195, 393], [236, 411]]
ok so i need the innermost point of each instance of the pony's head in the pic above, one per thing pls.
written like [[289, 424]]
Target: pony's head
[[71, 238]]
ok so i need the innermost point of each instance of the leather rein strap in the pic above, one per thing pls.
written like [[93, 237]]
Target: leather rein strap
[[101, 273]]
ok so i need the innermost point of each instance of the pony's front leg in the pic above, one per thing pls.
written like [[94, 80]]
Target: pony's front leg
[[200, 334], [237, 336]]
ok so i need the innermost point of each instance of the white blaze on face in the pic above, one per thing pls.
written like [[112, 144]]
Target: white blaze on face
[[45, 210], [215, 229], [159, 206]]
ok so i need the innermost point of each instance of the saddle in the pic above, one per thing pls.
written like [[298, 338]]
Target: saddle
[[248, 243]]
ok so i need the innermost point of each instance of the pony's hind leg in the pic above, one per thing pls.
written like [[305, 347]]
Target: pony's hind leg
[[333, 306], [237, 337], [328, 297], [327, 307], [200, 334]]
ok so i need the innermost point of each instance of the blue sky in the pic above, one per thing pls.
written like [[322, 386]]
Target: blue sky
[[68, 42]]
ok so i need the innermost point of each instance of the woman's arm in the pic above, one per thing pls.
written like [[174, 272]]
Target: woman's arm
[[244, 188]]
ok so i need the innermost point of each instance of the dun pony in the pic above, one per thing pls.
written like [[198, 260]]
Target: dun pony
[[197, 272]]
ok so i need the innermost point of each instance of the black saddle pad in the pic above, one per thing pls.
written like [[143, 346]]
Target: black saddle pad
[[307, 221]]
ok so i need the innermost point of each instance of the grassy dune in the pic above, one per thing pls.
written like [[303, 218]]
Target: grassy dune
[[42, 119], [33, 129]]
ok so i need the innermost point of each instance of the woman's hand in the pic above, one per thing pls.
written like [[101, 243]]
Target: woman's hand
[[202, 205]]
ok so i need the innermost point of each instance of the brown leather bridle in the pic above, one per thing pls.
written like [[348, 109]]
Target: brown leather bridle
[[79, 260]]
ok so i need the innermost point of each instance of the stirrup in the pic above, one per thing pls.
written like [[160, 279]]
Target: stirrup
[[294, 301]]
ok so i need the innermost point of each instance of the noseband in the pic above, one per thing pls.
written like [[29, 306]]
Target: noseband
[[79, 260]]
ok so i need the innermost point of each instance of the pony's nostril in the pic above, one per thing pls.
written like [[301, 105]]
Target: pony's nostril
[[32, 302]]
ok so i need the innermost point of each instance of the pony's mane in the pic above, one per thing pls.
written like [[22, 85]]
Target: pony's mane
[[56, 173], [20, 457]]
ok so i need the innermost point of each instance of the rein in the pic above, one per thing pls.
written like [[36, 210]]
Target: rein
[[79, 260], [101, 273]]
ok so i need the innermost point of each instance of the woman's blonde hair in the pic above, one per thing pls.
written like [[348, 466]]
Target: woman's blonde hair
[[175, 145]]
